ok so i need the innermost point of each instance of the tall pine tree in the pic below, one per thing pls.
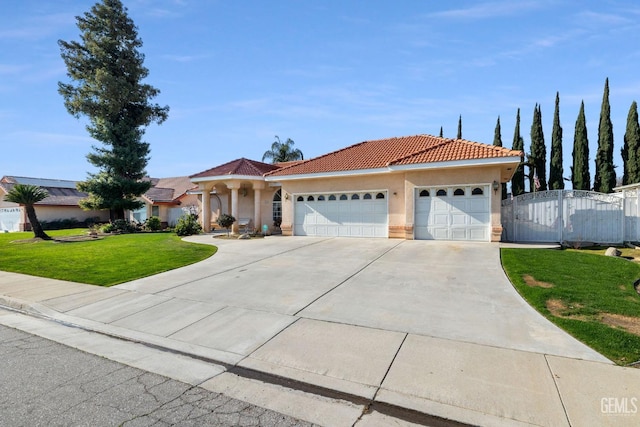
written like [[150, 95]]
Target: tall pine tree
[[631, 148], [605, 177], [459, 127], [517, 181], [497, 141], [538, 154], [556, 182], [580, 177], [106, 69]]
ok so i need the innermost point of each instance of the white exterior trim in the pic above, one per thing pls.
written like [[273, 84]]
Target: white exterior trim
[[228, 178], [327, 174], [457, 163]]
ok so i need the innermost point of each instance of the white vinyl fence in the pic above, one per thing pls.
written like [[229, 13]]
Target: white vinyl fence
[[571, 216]]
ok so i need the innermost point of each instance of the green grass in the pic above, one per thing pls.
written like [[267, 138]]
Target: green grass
[[586, 285], [105, 262]]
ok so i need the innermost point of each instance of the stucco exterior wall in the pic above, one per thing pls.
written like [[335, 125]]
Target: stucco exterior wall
[[400, 187]]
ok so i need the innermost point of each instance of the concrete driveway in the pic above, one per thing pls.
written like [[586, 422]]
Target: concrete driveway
[[450, 290]]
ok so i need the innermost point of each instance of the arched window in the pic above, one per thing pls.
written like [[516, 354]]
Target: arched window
[[277, 207], [343, 197], [441, 192], [321, 198], [367, 196], [300, 199], [380, 196], [332, 197], [355, 197], [477, 192], [310, 199], [459, 192], [424, 193]]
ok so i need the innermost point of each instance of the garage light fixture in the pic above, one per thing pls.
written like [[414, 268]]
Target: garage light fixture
[[495, 186]]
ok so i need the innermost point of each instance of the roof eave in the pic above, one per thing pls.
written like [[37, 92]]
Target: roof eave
[[332, 174], [228, 177], [458, 163]]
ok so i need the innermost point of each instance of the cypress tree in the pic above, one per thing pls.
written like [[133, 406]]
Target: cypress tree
[[580, 178], [538, 155], [440, 132], [106, 69], [460, 127], [631, 148], [605, 177], [497, 141], [556, 171], [517, 182]]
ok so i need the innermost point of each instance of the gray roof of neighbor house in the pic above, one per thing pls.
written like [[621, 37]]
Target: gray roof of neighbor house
[[168, 190], [61, 192]]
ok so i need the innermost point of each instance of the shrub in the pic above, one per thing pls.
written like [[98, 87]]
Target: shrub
[[120, 226], [226, 221], [153, 224], [187, 225]]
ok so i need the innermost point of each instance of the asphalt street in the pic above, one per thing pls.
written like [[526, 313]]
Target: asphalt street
[[43, 383]]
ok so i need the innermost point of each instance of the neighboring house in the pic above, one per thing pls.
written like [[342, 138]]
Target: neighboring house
[[62, 203], [167, 199], [414, 187]]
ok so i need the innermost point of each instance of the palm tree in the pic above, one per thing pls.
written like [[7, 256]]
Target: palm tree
[[29, 195], [282, 152]]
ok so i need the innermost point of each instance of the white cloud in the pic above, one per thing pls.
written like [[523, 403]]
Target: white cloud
[[488, 10]]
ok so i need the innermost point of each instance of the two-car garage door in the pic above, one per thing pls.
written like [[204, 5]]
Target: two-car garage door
[[453, 213], [352, 214], [441, 213]]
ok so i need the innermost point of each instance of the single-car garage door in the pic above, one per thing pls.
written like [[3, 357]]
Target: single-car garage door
[[352, 214], [453, 213]]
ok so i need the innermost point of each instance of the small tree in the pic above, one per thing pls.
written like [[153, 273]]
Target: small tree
[[556, 181], [580, 176], [631, 148], [282, 151], [517, 182], [226, 221], [28, 196], [605, 176], [459, 136], [497, 141]]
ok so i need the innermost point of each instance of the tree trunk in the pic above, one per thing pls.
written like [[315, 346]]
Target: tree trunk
[[35, 224]]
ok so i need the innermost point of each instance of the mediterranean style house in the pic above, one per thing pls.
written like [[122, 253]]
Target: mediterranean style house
[[413, 187]]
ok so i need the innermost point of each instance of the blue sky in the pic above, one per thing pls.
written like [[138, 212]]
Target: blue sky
[[327, 74]]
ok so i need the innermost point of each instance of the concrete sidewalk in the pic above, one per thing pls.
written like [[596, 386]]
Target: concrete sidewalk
[[340, 337]]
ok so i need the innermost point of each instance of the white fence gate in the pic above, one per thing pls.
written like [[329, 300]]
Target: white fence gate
[[571, 216]]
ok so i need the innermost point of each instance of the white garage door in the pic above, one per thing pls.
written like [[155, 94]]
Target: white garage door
[[453, 213], [353, 214]]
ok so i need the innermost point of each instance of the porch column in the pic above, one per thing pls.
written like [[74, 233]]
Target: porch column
[[234, 209], [206, 210], [257, 201]]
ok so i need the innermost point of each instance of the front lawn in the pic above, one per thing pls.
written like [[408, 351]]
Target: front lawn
[[591, 296], [107, 261]]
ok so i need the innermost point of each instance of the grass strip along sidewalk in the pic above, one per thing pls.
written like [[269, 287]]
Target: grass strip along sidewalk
[[589, 295], [107, 261]]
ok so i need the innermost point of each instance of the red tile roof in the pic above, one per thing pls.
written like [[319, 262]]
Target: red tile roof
[[408, 150], [240, 166]]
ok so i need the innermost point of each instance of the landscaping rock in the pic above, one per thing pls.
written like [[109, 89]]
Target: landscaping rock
[[612, 252], [244, 237]]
